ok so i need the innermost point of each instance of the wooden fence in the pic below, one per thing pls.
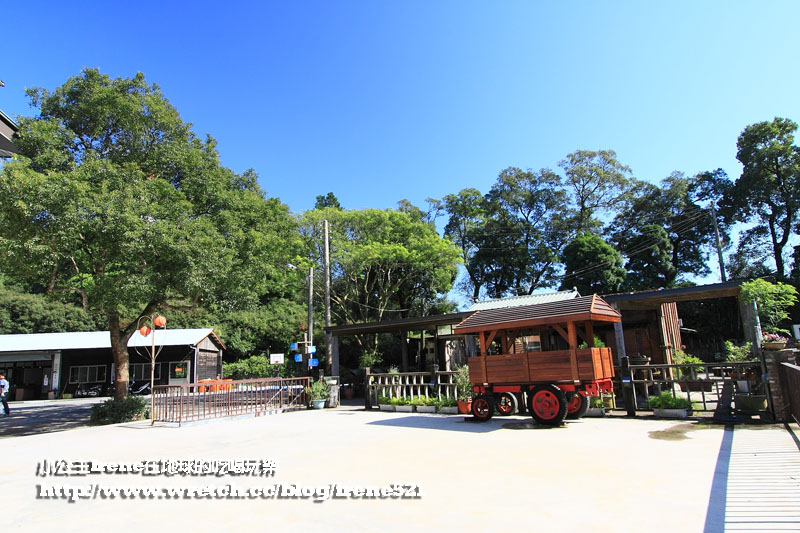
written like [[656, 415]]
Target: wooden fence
[[410, 385], [201, 401], [791, 374]]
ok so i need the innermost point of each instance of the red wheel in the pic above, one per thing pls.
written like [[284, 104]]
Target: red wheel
[[482, 407], [547, 404], [506, 404], [577, 406]]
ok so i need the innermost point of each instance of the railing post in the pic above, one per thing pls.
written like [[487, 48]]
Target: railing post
[[435, 380], [628, 394], [367, 392]]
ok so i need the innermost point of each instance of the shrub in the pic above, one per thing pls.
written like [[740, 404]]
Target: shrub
[[317, 391], [666, 400], [596, 401], [447, 402], [384, 400], [120, 410], [682, 358], [463, 384], [739, 353], [256, 366]]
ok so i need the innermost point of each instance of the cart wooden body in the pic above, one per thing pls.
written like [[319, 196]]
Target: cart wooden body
[[551, 377]]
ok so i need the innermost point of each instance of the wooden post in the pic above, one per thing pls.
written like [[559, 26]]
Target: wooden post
[[367, 394], [572, 331], [404, 350]]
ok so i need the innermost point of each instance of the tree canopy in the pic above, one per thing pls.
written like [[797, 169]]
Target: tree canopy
[[117, 201]]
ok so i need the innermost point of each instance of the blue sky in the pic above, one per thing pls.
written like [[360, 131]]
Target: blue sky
[[378, 101]]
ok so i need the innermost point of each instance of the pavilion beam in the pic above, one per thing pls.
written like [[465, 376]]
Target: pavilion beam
[[572, 331]]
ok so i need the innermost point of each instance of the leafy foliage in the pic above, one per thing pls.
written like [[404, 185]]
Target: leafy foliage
[[256, 366], [592, 266], [119, 410], [35, 313], [117, 201], [666, 400], [773, 300]]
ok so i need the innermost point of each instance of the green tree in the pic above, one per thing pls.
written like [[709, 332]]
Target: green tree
[[664, 231], [773, 300], [116, 200], [592, 266], [327, 200], [377, 255], [598, 182], [35, 313], [466, 226], [526, 231], [768, 191]]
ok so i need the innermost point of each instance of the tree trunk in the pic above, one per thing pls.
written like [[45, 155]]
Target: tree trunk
[[119, 350]]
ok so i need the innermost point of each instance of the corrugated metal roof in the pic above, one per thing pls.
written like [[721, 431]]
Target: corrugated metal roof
[[528, 299], [98, 339], [582, 308]]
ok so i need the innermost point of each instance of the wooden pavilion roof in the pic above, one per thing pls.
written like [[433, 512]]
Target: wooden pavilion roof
[[591, 308]]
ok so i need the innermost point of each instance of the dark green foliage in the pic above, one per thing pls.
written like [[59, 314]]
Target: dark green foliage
[[119, 410], [257, 366], [33, 313], [592, 266]]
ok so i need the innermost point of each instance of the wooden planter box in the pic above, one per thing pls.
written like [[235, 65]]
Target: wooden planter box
[[671, 413], [426, 408], [597, 412], [696, 386], [386, 407], [748, 403]]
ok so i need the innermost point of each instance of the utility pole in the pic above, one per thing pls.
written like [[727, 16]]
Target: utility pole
[[333, 356], [719, 245], [310, 308]]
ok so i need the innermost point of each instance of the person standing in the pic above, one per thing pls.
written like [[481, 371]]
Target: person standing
[[4, 393]]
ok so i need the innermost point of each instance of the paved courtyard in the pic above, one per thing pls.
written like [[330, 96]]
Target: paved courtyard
[[611, 474]]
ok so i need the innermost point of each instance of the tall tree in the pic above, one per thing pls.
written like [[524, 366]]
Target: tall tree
[[592, 266], [664, 232], [377, 255], [768, 191], [117, 201], [598, 182], [327, 200], [466, 227], [526, 231]]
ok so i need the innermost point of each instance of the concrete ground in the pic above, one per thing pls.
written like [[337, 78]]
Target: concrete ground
[[611, 474]]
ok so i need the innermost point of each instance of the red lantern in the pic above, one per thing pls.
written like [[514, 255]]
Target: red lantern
[[160, 321], [145, 331]]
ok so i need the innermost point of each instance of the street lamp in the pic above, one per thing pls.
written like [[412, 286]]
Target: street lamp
[[158, 321]]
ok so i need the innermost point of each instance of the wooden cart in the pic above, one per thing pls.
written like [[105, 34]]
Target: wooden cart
[[532, 352]]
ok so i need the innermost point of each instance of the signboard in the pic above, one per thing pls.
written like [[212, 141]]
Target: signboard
[[293, 347], [276, 358], [313, 362], [312, 349], [298, 358]]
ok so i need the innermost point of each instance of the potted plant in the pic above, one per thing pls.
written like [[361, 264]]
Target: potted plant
[[317, 394], [688, 374], [665, 405], [425, 405], [773, 341], [464, 389], [448, 406], [596, 407], [402, 405], [385, 403]]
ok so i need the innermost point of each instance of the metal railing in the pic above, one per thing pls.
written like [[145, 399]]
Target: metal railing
[[701, 384], [792, 375], [215, 399], [410, 385]]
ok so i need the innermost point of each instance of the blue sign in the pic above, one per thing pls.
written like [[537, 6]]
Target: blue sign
[[312, 349], [293, 347], [313, 362], [298, 358]]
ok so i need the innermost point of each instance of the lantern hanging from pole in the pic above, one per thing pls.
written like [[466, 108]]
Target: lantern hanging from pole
[[160, 321], [144, 330]]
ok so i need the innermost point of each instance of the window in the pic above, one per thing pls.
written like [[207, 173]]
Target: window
[[532, 343], [87, 374], [141, 371]]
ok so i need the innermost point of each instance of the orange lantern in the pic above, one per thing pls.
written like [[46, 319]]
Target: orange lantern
[[160, 321], [145, 331]]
